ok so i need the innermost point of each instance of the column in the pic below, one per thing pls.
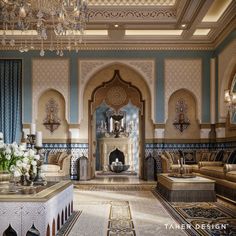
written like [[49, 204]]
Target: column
[[213, 91]]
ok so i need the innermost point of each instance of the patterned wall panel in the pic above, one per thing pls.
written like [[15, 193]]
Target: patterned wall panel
[[50, 74], [183, 73], [88, 68]]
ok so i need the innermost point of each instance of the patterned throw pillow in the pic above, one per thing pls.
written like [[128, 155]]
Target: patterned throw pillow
[[168, 156], [213, 155], [176, 157], [226, 156], [205, 156], [219, 155], [189, 157], [232, 158]]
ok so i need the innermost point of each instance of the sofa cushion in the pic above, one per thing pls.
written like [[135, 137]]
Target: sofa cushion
[[214, 171], [50, 168], [231, 176]]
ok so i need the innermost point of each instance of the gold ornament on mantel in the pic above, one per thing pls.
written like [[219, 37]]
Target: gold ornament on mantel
[[52, 122]]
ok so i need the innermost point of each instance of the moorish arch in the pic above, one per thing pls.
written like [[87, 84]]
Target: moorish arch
[[89, 67], [134, 89]]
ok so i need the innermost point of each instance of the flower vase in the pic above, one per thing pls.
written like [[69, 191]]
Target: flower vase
[[24, 180], [4, 178]]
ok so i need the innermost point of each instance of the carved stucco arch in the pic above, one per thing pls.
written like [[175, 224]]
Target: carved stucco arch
[[145, 68], [116, 93]]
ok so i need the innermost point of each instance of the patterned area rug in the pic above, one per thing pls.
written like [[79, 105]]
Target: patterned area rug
[[66, 228], [202, 218], [112, 187], [120, 219]]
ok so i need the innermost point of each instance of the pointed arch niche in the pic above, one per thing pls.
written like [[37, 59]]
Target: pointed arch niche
[[116, 93], [193, 130]]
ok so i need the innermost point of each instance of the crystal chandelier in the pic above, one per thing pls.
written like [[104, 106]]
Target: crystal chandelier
[[49, 18], [230, 100]]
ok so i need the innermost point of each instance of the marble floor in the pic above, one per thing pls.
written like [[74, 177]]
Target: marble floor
[[148, 216]]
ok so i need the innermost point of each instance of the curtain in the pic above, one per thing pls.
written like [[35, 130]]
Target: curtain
[[10, 99]]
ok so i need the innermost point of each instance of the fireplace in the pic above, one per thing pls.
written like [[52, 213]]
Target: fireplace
[[116, 155], [112, 148]]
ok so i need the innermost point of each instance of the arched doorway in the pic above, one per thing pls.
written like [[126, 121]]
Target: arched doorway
[[116, 94]]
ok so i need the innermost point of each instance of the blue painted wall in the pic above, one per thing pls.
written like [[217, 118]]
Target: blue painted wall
[[159, 56]]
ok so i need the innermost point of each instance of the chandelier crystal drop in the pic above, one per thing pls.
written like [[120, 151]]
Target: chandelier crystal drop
[[46, 17]]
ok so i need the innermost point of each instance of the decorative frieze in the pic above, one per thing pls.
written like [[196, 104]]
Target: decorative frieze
[[124, 15]]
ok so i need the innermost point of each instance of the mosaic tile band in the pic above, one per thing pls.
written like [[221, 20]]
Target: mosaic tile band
[[151, 149]]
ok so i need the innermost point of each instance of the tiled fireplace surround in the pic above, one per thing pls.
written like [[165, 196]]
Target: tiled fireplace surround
[[79, 149]]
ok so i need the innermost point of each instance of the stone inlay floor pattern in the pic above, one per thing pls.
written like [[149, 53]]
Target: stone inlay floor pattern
[[120, 219]]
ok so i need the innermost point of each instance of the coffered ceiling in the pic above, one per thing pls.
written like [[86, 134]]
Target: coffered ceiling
[[154, 23]]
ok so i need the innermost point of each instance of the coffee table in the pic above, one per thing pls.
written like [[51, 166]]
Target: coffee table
[[198, 189]]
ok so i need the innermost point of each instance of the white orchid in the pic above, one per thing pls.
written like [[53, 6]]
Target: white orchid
[[19, 163], [17, 173], [8, 157], [33, 163], [31, 152], [25, 160], [18, 160], [37, 157]]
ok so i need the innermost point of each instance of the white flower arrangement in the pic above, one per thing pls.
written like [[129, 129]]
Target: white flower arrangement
[[18, 160]]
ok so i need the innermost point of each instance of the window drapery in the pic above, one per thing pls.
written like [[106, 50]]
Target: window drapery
[[10, 99]]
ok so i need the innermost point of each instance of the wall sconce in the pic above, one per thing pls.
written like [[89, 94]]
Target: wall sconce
[[51, 122], [181, 121]]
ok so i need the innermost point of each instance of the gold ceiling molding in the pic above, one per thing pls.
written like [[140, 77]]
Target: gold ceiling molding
[[127, 48], [131, 2]]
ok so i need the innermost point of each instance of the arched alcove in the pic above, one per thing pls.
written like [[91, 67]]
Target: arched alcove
[[61, 133], [182, 98], [133, 81]]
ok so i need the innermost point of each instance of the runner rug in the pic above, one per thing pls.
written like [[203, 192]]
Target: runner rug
[[202, 218], [120, 219]]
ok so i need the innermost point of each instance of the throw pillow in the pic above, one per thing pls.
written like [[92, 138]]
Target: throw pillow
[[205, 156], [232, 158], [168, 156], [62, 156], [212, 155], [219, 155]]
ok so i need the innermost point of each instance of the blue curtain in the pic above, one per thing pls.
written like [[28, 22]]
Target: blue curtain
[[10, 99]]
